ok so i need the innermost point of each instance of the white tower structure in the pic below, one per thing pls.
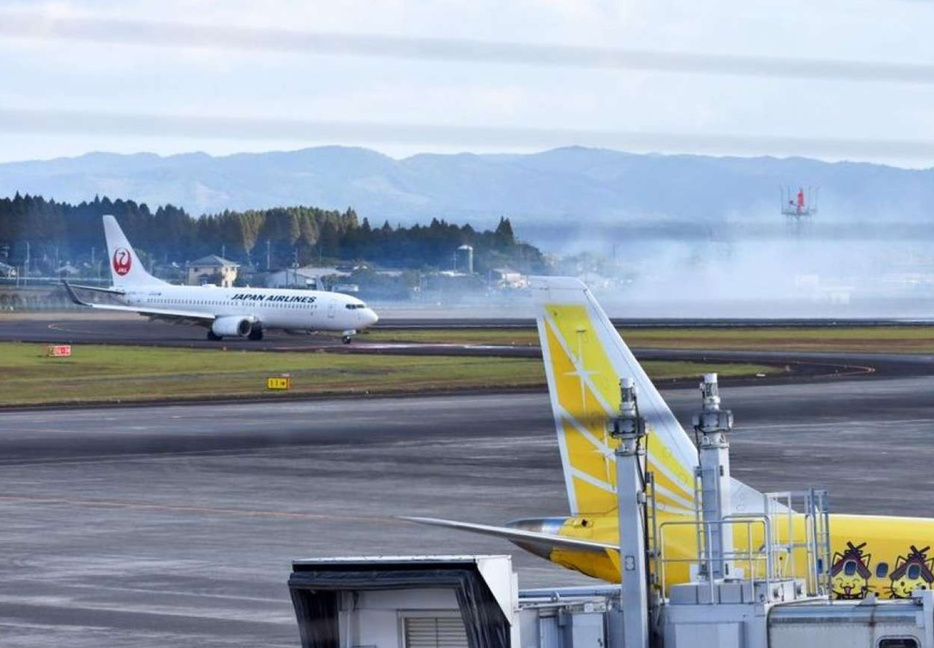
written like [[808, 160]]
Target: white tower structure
[[713, 425], [629, 429]]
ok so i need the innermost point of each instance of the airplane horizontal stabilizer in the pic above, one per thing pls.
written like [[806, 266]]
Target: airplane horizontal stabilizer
[[544, 541]]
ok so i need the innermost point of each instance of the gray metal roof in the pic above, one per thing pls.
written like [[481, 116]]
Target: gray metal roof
[[214, 261]]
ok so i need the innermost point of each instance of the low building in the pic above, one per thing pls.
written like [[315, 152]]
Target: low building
[[212, 269], [68, 270], [310, 277], [508, 278], [7, 270]]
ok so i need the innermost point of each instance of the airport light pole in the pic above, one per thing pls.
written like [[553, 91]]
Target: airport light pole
[[628, 427], [713, 425]]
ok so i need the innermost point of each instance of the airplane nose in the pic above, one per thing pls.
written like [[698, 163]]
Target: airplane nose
[[369, 317]]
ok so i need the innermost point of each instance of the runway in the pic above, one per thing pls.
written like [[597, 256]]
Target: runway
[[175, 525], [84, 327], [135, 331]]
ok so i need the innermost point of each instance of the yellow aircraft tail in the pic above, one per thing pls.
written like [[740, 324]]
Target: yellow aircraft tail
[[585, 358]]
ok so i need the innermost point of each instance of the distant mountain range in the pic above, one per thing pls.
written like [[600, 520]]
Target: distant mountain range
[[576, 185]]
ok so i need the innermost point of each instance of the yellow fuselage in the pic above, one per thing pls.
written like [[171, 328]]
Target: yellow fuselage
[[887, 556]]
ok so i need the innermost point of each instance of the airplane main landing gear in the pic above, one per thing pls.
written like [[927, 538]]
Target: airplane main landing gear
[[213, 337], [256, 334]]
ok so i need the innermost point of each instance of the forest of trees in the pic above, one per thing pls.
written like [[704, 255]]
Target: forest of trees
[[59, 232]]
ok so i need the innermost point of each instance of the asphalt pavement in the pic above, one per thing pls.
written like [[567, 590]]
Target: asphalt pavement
[[156, 526]]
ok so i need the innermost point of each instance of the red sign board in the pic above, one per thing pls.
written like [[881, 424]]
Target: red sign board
[[59, 351]]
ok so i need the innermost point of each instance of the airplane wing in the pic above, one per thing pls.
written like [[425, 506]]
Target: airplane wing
[[543, 541], [109, 291], [153, 313]]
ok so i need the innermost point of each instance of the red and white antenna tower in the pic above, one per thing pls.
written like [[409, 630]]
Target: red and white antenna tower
[[799, 205]]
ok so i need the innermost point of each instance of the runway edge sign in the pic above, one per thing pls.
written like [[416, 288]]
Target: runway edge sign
[[58, 351], [279, 383]]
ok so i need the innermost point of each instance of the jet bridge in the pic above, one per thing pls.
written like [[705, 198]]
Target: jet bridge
[[406, 602]]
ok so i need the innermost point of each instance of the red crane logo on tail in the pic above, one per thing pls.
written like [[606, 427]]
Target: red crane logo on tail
[[122, 261]]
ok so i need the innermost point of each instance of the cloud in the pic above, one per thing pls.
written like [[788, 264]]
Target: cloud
[[18, 25]]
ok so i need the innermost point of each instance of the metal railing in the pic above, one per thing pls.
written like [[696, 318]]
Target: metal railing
[[755, 561], [790, 540], [811, 507]]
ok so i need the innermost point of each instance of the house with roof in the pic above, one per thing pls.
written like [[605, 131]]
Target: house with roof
[[212, 269], [310, 277]]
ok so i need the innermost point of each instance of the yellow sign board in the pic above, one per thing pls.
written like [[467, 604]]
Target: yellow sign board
[[279, 382]]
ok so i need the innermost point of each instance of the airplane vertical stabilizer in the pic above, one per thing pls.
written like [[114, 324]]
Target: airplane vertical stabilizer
[[125, 267], [584, 360]]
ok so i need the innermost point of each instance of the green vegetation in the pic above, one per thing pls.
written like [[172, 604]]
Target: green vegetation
[[108, 374], [880, 339], [61, 231]]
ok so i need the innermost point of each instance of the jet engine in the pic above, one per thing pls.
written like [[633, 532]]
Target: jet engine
[[231, 325]]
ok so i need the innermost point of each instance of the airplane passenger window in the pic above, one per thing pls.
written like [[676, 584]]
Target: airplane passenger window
[[882, 570], [898, 642], [914, 571], [849, 567]]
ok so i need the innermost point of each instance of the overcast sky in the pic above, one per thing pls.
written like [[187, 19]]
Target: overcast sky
[[881, 109]]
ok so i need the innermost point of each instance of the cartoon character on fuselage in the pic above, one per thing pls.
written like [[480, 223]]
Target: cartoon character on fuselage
[[233, 312], [850, 572], [585, 358], [912, 572]]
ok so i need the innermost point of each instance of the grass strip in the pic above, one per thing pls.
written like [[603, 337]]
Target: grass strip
[[96, 374]]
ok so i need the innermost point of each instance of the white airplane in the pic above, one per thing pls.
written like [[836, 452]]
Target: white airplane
[[233, 312]]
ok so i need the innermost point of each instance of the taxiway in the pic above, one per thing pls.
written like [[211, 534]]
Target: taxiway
[[155, 526]]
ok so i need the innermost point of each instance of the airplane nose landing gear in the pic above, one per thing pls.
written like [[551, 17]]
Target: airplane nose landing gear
[[347, 336]]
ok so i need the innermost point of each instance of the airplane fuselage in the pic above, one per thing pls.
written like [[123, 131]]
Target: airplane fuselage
[[271, 308], [886, 556]]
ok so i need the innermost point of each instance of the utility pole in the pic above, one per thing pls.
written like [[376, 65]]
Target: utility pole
[[268, 255]]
